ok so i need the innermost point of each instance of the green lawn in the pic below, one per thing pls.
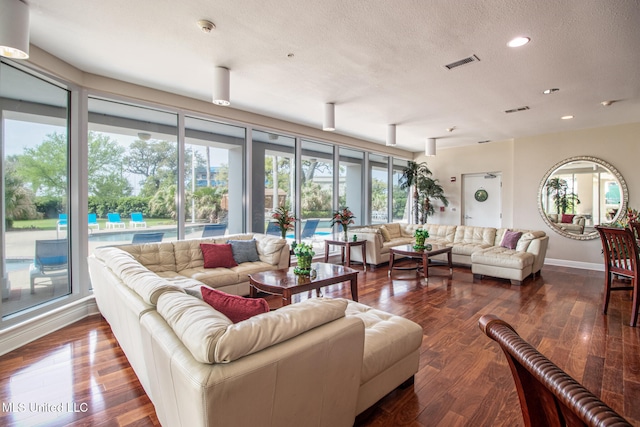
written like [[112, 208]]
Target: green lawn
[[52, 224]]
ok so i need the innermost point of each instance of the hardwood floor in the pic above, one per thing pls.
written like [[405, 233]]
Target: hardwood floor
[[463, 378]]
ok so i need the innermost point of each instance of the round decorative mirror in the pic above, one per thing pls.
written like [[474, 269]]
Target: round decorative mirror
[[579, 193]]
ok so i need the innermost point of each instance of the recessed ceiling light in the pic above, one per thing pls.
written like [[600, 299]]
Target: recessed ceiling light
[[566, 117], [519, 41], [552, 90]]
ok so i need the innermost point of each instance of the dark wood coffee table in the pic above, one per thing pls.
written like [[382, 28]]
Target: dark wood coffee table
[[421, 254], [284, 282]]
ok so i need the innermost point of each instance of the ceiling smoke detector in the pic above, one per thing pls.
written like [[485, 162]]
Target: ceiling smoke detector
[[206, 26]]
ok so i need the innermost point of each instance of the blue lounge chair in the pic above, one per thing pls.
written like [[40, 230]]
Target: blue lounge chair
[[62, 222], [273, 229], [93, 221], [309, 229], [114, 221], [147, 237], [137, 220], [211, 230], [50, 260]]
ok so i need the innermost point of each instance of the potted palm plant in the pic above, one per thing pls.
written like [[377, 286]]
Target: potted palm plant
[[558, 189]]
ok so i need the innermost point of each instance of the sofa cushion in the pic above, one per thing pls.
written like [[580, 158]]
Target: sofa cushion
[[194, 322], [217, 255], [188, 253], [265, 330], [244, 250], [476, 235], [567, 218], [386, 236], [527, 237], [441, 233], [394, 230], [213, 277], [502, 257], [269, 248], [236, 308], [157, 257], [510, 239]]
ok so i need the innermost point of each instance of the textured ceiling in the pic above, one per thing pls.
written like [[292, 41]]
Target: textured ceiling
[[380, 62]]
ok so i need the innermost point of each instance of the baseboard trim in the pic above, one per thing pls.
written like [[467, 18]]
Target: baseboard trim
[[16, 336], [574, 264]]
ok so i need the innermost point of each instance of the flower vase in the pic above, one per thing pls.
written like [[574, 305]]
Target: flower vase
[[419, 242], [304, 265], [283, 232], [345, 236]]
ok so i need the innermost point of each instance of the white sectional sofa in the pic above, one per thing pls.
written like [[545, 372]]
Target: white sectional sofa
[[478, 247], [318, 362]]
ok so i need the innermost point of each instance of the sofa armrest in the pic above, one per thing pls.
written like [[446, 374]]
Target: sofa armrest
[[538, 247]]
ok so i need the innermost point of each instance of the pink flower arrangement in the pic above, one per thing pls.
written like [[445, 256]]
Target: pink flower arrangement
[[344, 217], [284, 219]]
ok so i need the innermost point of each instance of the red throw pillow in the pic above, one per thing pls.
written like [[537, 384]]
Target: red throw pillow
[[236, 308], [567, 218], [510, 239], [217, 255]]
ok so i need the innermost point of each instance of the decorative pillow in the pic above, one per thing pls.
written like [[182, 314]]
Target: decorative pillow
[[386, 236], [510, 239], [244, 250], [236, 308], [217, 255], [567, 218]]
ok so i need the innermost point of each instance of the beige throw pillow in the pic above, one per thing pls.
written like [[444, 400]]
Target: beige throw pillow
[[386, 236]]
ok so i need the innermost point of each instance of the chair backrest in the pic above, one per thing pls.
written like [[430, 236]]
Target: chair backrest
[[93, 218], [147, 237], [273, 229], [620, 251], [635, 227], [309, 228], [214, 230], [51, 254], [548, 396], [113, 217], [137, 217], [62, 219]]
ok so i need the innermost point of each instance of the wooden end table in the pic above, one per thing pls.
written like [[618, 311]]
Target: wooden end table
[[345, 246], [421, 254], [284, 282]]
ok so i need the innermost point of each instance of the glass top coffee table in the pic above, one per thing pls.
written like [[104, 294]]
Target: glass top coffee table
[[420, 254], [284, 282]]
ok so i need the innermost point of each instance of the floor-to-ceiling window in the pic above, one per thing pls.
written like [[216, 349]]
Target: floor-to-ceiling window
[[274, 183], [132, 173], [316, 198], [400, 204], [351, 183], [379, 197], [35, 267], [214, 178]]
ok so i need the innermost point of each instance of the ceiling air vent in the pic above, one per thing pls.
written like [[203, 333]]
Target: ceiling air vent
[[463, 61], [515, 110]]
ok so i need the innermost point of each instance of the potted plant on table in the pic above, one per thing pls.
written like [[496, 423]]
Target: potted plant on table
[[284, 219], [304, 254], [420, 234], [344, 217]]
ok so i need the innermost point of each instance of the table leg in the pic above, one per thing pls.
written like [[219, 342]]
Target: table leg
[[253, 292], [286, 297], [342, 255], [364, 256], [326, 251], [354, 288], [391, 259], [425, 267], [450, 264], [348, 250]]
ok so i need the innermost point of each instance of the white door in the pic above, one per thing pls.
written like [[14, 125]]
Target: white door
[[482, 199]]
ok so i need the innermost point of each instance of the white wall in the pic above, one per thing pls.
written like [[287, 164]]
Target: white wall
[[523, 163]]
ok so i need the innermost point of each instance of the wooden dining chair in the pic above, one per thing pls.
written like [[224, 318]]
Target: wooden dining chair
[[620, 249], [548, 395]]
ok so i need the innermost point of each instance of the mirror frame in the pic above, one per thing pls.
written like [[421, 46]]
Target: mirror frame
[[554, 168]]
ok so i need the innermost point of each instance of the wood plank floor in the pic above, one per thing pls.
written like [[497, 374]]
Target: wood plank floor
[[463, 378]]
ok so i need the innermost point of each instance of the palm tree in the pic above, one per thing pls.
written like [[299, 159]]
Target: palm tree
[[429, 190], [558, 189], [412, 176]]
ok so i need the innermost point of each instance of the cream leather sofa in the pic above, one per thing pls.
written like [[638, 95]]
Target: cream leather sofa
[[318, 362], [575, 226], [478, 247]]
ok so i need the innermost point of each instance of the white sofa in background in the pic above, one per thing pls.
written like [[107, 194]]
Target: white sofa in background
[[318, 362], [575, 226], [478, 247]]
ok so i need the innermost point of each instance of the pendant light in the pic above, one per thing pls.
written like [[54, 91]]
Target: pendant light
[[430, 148], [221, 86], [329, 123], [391, 135], [14, 29]]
